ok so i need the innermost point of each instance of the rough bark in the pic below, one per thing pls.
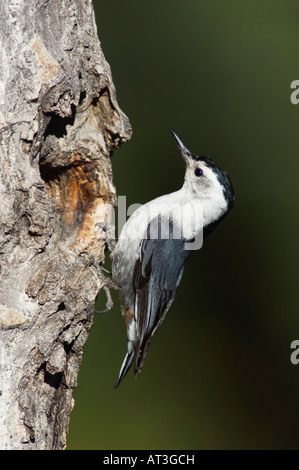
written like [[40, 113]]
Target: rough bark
[[59, 123]]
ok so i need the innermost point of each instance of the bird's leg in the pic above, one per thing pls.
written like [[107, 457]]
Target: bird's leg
[[108, 282], [109, 303], [106, 270]]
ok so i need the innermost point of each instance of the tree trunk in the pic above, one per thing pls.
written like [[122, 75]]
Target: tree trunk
[[59, 123]]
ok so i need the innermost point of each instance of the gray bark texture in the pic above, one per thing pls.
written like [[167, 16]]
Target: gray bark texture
[[59, 124]]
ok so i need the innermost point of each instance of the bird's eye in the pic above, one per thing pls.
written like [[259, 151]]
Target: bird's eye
[[198, 172]]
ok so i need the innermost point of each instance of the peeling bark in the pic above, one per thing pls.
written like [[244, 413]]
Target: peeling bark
[[59, 124]]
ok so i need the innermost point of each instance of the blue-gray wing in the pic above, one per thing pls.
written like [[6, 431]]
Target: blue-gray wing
[[157, 275]]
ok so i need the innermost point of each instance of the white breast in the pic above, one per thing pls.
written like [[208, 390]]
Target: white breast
[[186, 214]]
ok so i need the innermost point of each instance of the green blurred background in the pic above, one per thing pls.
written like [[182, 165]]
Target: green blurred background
[[218, 373]]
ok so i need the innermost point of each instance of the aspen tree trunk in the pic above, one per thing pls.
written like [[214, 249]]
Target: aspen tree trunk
[[59, 124]]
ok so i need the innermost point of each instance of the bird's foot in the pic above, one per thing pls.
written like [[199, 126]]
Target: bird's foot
[[108, 283]]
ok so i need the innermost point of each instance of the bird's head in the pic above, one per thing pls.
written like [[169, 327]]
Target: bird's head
[[206, 180]]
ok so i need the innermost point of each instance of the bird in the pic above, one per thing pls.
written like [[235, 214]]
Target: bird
[[154, 244]]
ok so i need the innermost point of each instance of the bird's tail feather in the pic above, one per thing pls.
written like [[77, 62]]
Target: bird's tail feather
[[128, 361]]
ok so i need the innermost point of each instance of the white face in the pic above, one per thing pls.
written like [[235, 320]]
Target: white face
[[202, 180], [203, 183], [206, 183]]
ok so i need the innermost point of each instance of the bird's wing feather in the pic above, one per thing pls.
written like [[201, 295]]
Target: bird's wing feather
[[157, 274]]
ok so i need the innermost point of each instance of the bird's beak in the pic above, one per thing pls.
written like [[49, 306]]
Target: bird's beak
[[184, 150]]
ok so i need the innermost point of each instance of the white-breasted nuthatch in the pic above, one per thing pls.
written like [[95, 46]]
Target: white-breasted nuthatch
[[154, 244]]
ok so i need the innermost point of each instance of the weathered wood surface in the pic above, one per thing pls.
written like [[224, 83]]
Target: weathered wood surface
[[59, 123]]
